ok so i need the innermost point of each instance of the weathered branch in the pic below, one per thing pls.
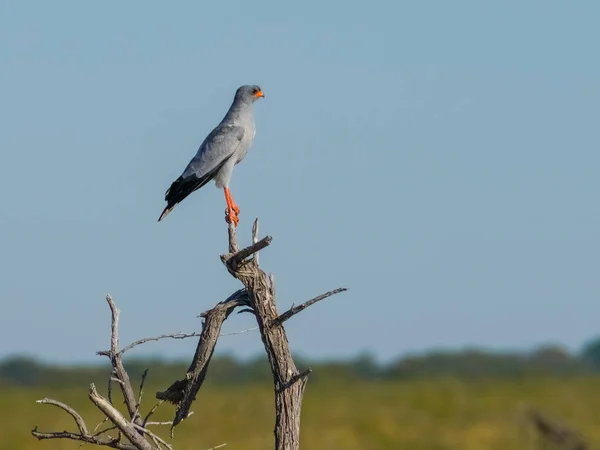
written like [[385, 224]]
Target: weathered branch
[[258, 297], [83, 435], [233, 261], [157, 338], [183, 392], [119, 372], [141, 392], [289, 383], [131, 428], [299, 376], [107, 442], [255, 238], [176, 336], [78, 419], [157, 440], [126, 427], [170, 422], [296, 309]]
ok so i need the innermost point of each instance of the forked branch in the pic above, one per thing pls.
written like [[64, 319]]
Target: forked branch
[[133, 429], [258, 296], [118, 370]]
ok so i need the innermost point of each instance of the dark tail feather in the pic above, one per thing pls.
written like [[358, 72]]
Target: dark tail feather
[[166, 212], [181, 188]]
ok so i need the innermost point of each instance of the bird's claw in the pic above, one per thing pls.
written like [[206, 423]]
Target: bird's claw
[[231, 216]]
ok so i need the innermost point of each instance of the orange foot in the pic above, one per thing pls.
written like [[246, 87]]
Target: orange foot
[[231, 216], [232, 211]]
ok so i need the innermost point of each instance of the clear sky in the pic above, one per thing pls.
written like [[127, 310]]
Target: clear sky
[[439, 159]]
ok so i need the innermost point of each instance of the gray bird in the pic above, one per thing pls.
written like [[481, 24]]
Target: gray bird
[[222, 149]]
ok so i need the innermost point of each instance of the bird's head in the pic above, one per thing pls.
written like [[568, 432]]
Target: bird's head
[[249, 93]]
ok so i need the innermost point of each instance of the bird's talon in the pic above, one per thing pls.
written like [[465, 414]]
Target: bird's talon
[[231, 216]]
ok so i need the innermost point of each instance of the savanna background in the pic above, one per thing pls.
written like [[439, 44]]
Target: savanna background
[[442, 400], [439, 159]]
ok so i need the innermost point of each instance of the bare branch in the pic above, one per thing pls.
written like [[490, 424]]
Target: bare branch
[[152, 411], [107, 442], [255, 238], [237, 258], [299, 376], [100, 424], [170, 422], [216, 447], [114, 325], [234, 333], [247, 310], [83, 436], [58, 435], [110, 379], [179, 335], [233, 246], [154, 437], [257, 297], [78, 419], [240, 296], [139, 401], [119, 373], [289, 384], [126, 427], [183, 392], [296, 309], [113, 427], [158, 338]]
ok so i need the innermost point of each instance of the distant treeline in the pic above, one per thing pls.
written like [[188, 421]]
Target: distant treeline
[[546, 360]]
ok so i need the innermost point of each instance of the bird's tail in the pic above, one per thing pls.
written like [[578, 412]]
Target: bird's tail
[[166, 212], [182, 187]]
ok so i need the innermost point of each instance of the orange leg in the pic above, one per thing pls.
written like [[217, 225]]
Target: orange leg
[[231, 215]]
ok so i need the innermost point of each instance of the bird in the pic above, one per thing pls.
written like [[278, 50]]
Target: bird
[[224, 147]]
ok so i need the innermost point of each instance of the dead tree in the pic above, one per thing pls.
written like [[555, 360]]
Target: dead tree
[[130, 431]]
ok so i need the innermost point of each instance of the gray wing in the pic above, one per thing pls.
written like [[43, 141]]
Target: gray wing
[[216, 149], [214, 152]]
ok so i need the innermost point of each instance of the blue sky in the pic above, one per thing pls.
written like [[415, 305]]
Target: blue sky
[[439, 159]]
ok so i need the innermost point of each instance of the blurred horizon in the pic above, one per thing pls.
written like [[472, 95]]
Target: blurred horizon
[[440, 163], [589, 353]]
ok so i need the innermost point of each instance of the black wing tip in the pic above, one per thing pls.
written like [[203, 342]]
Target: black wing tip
[[182, 187], [166, 212]]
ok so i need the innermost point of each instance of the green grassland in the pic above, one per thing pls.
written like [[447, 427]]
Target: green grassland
[[426, 414]]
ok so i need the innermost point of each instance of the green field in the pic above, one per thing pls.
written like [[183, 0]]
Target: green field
[[418, 414]]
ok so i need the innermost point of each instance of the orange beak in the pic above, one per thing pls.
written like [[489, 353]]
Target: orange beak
[[259, 94]]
